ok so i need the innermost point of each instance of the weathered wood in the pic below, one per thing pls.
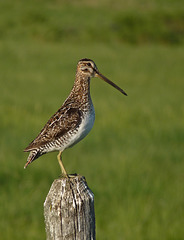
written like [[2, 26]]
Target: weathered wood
[[69, 210]]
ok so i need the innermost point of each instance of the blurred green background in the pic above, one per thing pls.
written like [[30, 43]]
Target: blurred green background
[[133, 157]]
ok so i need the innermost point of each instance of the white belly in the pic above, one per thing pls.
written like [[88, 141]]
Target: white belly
[[84, 128]]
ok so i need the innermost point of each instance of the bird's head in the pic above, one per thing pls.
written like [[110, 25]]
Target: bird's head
[[88, 68]]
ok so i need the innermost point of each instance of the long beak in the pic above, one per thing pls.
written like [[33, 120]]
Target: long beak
[[98, 74]]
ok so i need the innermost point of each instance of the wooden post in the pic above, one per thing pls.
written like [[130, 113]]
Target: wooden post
[[69, 210]]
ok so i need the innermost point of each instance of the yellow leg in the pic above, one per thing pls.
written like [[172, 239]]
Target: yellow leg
[[63, 171]]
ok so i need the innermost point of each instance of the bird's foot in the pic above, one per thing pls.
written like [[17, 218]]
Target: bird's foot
[[73, 175]]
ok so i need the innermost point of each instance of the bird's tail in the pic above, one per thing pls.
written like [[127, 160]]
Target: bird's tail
[[33, 155]]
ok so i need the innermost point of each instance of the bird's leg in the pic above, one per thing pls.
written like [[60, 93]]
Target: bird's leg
[[63, 171]]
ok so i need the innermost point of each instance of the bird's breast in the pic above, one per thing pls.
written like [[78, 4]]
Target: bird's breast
[[83, 129]]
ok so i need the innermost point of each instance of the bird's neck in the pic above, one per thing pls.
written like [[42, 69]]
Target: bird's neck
[[81, 87], [80, 94]]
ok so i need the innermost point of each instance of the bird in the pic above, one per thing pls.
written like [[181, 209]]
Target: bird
[[74, 119]]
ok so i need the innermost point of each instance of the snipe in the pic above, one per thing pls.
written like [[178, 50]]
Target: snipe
[[73, 121]]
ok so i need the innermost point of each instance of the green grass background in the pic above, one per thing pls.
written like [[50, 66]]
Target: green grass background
[[133, 157]]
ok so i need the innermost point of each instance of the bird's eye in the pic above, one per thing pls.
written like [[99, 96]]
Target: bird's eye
[[89, 64]]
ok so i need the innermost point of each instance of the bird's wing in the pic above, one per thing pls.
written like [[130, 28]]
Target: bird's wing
[[61, 122]]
